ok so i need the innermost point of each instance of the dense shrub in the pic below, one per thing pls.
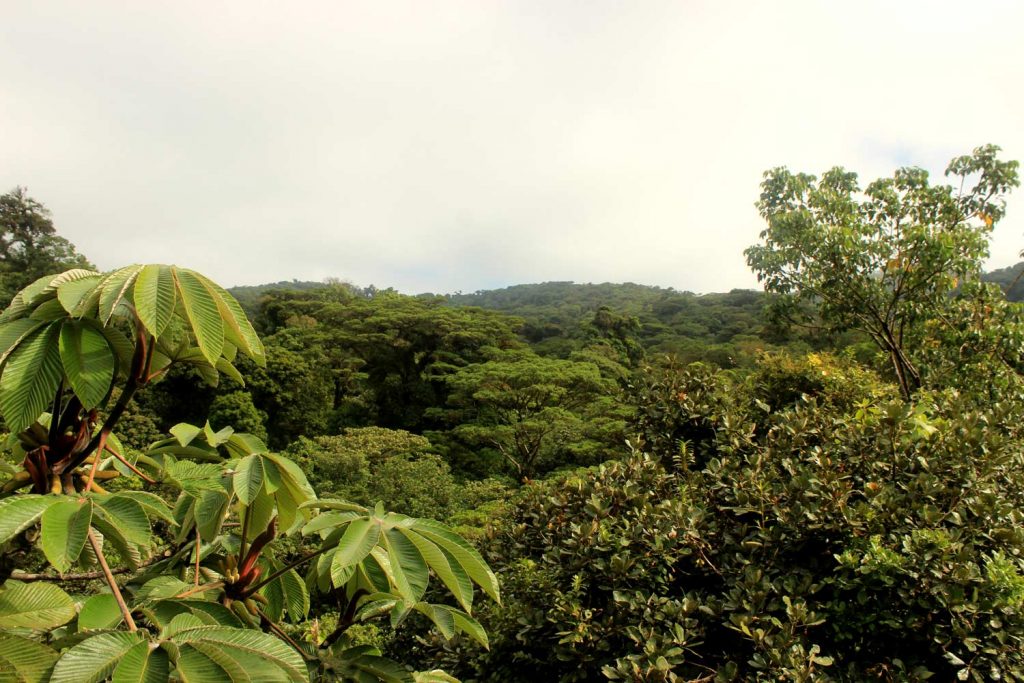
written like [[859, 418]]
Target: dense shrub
[[839, 534]]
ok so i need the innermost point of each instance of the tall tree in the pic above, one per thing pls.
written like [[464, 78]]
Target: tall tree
[[29, 244], [881, 259]]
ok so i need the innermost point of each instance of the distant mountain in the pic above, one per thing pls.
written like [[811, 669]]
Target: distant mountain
[[1010, 279]]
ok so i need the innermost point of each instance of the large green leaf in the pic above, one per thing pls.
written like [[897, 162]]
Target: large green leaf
[[100, 611], [40, 606], [114, 289], [155, 297], [88, 361], [73, 293], [30, 378], [12, 333], [248, 478], [128, 515], [408, 568], [142, 663], [94, 659], [454, 578], [237, 327], [270, 651], [65, 527], [199, 664], [24, 661], [359, 539], [465, 554], [203, 313], [19, 512]]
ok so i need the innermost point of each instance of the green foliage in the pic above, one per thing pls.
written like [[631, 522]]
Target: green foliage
[[208, 592], [533, 411], [29, 245], [837, 534], [880, 260]]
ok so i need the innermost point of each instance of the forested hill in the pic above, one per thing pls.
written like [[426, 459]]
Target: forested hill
[[662, 319], [1010, 279]]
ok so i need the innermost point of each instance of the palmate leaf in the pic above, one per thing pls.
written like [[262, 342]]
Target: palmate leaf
[[94, 659], [65, 526], [25, 661], [38, 606], [30, 377], [88, 361], [73, 293], [359, 539]]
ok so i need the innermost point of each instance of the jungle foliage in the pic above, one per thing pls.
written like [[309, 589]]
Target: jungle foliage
[[820, 482]]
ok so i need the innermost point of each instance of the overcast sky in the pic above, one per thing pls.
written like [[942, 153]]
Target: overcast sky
[[443, 146]]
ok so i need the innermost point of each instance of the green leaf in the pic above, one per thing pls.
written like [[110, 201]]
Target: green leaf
[[455, 579], [237, 327], [248, 478], [211, 507], [408, 568], [113, 290], [185, 433], [100, 611], [465, 554], [19, 512], [241, 444], [471, 626], [359, 539], [12, 333], [27, 660], [160, 588], [127, 515], [88, 361], [267, 648], [201, 308], [48, 310], [296, 595], [65, 528], [153, 504], [143, 663], [94, 659], [30, 378], [72, 293], [194, 666], [155, 297], [40, 606]]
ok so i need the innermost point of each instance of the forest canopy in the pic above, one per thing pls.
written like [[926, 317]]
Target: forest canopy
[[572, 482]]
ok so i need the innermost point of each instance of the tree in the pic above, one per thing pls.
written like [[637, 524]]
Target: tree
[[29, 245], [883, 259], [208, 591], [532, 410]]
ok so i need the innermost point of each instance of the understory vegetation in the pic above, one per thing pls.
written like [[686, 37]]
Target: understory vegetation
[[823, 481]]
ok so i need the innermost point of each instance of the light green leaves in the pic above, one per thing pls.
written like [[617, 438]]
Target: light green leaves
[[26, 660], [99, 612], [248, 478], [39, 606], [64, 530], [88, 361], [30, 377], [203, 313], [94, 660], [18, 513], [155, 297], [392, 557]]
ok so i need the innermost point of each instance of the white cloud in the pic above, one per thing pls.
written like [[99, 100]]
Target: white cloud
[[461, 145]]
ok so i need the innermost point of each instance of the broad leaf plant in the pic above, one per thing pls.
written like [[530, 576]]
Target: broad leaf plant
[[182, 536]]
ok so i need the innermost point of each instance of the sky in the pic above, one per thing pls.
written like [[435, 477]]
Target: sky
[[456, 146]]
